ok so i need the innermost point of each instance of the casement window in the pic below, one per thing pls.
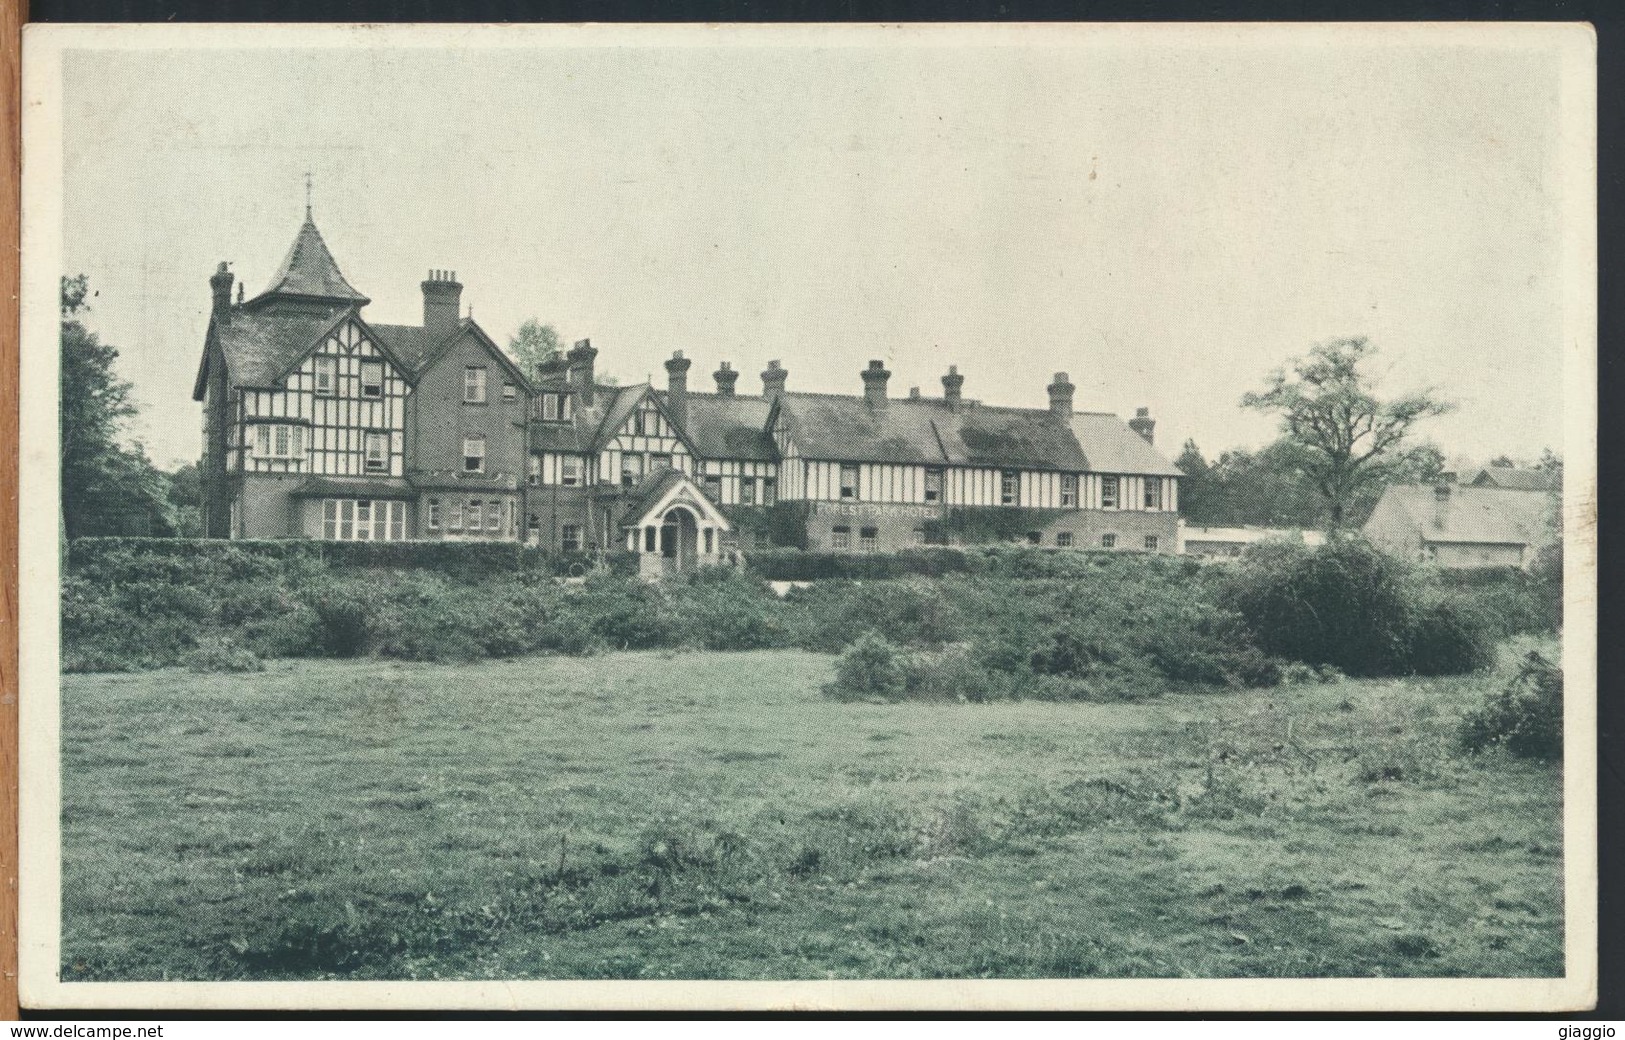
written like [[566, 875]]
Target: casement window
[[747, 491], [569, 471], [1069, 491], [933, 485], [363, 520], [840, 538], [1153, 492], [770, 491], [509, 391], [473, 454], [372, 379], [1063, 539], [474, 384], [279, 441], [377, 452], [1108, 492], [1010, 488], [1108, 541], [712, 485], [1151, 543], [658, 461], [454, 516], [868, 539], [327, 376], [1035, 538], [849, 481], [570, 537], [550, 407], [474, 515], [493, 515], [434, 514], [631, 469], [533, 470]]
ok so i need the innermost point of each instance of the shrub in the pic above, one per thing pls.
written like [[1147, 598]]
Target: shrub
[[220, 654], [343, 615], [870, 667], [724, 610], [1525, 717], [1449, 637]]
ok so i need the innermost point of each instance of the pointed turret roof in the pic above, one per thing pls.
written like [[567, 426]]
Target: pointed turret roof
[[309, 271]]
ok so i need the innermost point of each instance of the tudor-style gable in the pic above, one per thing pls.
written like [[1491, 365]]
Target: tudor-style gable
[[638, 438]]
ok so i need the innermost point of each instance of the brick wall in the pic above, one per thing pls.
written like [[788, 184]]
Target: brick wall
[[439, 420]]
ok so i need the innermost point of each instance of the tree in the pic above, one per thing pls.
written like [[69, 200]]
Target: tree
[[1349, 439], [532, 344], [186, 501], [106, 488]]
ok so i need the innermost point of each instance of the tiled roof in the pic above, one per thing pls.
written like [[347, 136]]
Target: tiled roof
[[1111, 447], [353, 487], [646, 494], [310, 270], [729, 427], [1512, 479], [411, 343], [1483, 515], [616, 404], [260, 345], [929, 431]]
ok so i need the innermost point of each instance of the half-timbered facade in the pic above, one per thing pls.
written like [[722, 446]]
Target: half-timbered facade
[[318, 424]]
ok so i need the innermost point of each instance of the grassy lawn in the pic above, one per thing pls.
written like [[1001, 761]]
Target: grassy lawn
[[713, 815]]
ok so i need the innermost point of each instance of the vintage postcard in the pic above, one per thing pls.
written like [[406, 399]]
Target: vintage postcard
[[979, 517]]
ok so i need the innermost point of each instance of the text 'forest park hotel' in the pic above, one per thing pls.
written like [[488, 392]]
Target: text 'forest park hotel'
[[321, 424]]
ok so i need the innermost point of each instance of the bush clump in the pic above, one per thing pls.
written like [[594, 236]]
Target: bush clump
[[222, 654], [1525, 717]]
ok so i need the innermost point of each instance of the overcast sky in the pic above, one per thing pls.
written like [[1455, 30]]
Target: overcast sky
[[1165, 222]]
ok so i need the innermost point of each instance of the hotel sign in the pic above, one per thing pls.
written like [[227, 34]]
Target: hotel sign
[[876, 510]]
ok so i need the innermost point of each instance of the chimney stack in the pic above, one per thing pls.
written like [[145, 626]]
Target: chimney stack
[[726, 377], [1144, 425], [220, 282], [1441, 505], [951, 385], [442, 303], [581, 373], [1060, 397], [773, 380], [677, 388], [874, 384], [913, 393]]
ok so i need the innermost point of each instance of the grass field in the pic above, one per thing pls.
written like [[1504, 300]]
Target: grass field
[[713, 815]]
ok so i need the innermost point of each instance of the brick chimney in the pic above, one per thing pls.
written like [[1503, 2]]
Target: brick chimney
[[773, 380], [874, 384], [1144, 425], [442, 300], [952, 383], [726, 377], [220, 282], [1060, 396], [552, 366], [677, 388], [581, 370]]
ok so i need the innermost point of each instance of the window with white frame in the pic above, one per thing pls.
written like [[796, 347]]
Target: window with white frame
[[377, 452], [933, 485], [1063, 539], [849, 481], [570, 537], [493, 515], [631, 468], [1153, 492], [474, 515], [279, 441], [747, 491], [770, 491], [509, 391], [840, 538], [474, 454], [454, 516], [372, 379], [868, 539], [712, 486], [1108, 541], [1069, 491], [474, 384], [569, 470], [1108, 493], [433, 520], [550, 407], [658, 461], [533, 470], [327, 376], [1010, 488], [1151, 543], [363, 520]]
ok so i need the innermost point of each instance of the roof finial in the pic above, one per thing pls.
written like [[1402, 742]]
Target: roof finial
[[307, 196]]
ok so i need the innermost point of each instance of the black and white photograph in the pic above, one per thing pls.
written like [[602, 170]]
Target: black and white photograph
[[1004, 517]]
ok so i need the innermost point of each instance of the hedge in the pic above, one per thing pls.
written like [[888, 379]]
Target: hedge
[[459, 559], [1002, 561]]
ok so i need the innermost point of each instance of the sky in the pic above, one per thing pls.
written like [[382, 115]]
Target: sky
[[1164, 221]]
